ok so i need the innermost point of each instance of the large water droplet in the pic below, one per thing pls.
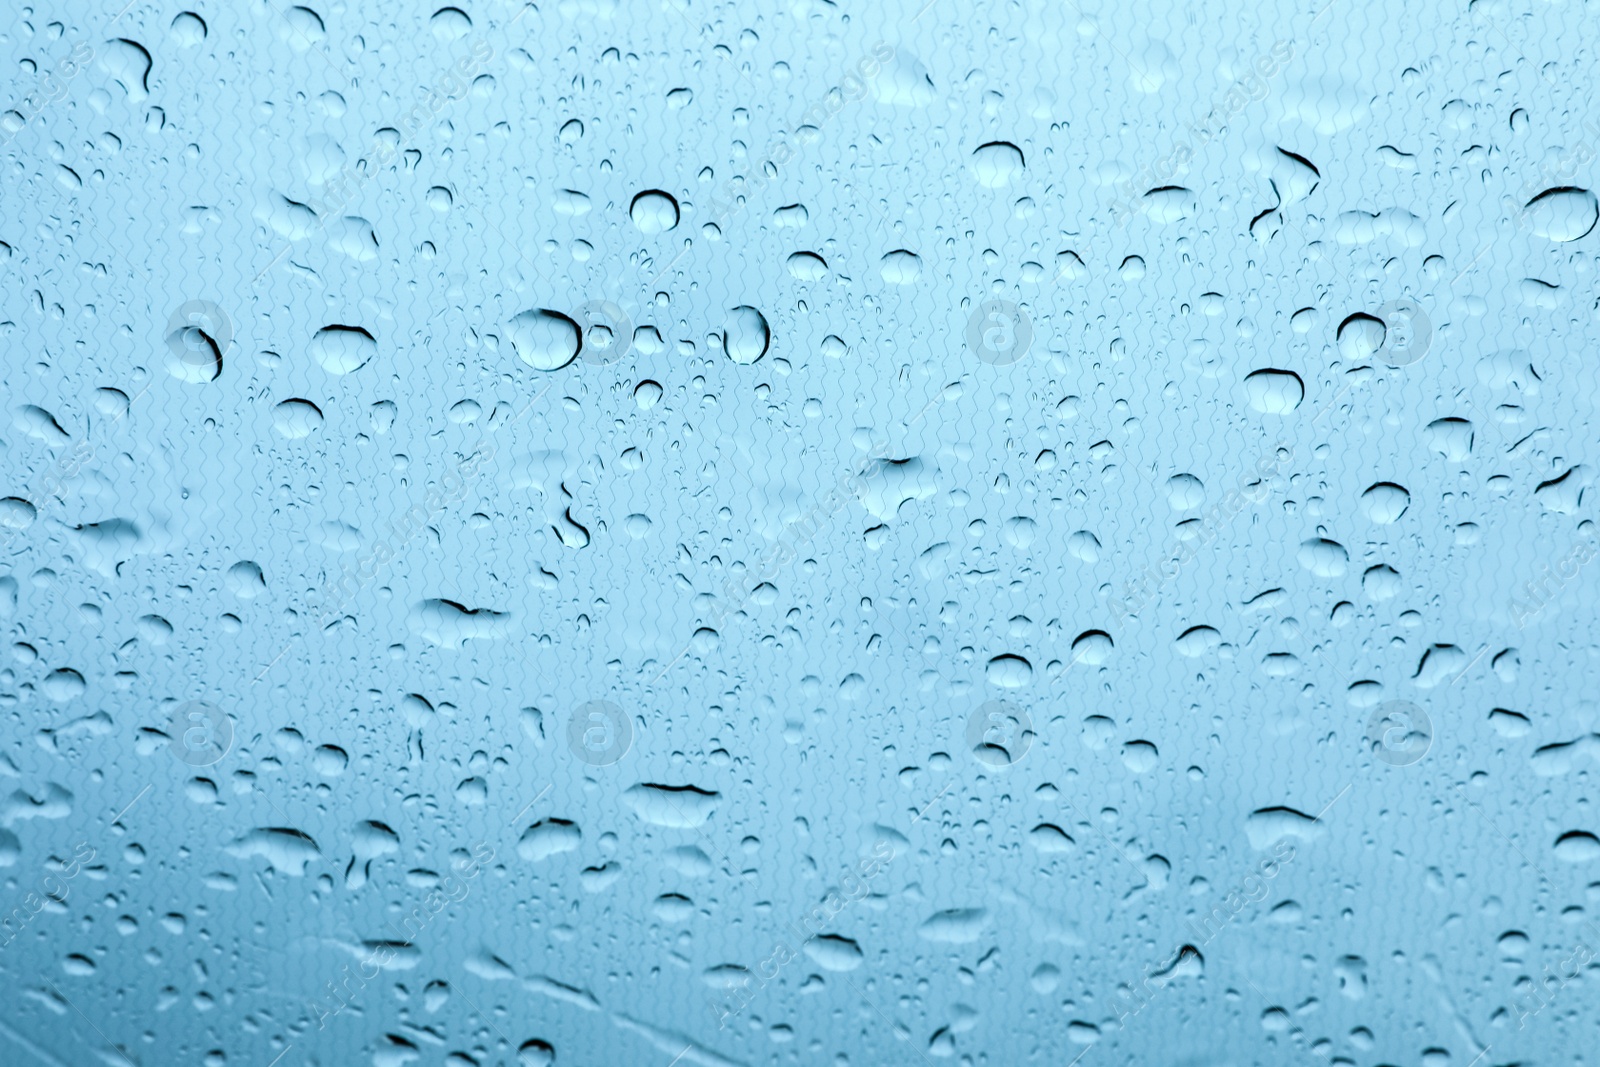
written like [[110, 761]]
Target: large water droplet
[[903, 81], [900, 267], [745, 334], [997, 164], [1565, 213], [1092, 647], [834, 953], [1577, 846], [1385, 502], [450, 24], [1169, 203], [1360, 337], [296, 418], [188, 29], [807, 267], [1009, 672], [343, 349], [654, 211], [545, 340], [1324, 558], [1274, 392]]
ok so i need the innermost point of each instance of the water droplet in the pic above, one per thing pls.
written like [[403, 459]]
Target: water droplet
[[1085, 546], [1050, 840], [63, 684], [1198, 641], [549, 837], [654, 211], [1274, 392], [535, 1053], [302, 29], [570, 202], [1185, 492], [1565, 213], [832, 952], [1324, 558], [129, 63], [450, 24], [1169, 203], [343, 349], [900, 267], [188, 30], [955, 926], [294, 419], [16, 513], [745, 335], [1385, 502], [997, 164], [807, 267], [903, 81], [543, 339], [1009, 672], [682, 807], [450, 625], [287, 851], [1092, 647], [1577, 846]]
